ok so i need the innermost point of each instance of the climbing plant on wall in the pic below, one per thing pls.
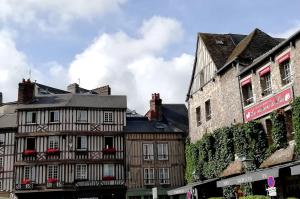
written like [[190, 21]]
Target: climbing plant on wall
[[191, 155], [279, 131], [296, 123]]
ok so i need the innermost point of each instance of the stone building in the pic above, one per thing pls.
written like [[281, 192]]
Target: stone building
[[213, 97]]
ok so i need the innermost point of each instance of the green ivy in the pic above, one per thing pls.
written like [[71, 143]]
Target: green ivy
[[192, 169], [279, 131], [296, 123], [228, 192]]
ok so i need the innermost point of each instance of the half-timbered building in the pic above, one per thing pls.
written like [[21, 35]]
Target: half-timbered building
[[69, 145], [155, 150], [8, 128]]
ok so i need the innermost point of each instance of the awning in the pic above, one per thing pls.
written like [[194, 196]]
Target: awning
[[246, 81], [284, 57], [265, 71], [189, 187], [254, 176]]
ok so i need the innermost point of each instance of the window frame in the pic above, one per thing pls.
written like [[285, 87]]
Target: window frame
[[146, 155], [53, 140], [286, 77], [83, 173], [164, 150], [55, 116], [80, 114], [1, 163], [29, 169], [51, 169], [108, 117], [2, 139], [247, 89], [208, 110], [108, 170], [29, 117], [198, 115], [163, 176], [150, 172], [266, 84], [112, 141], [81, 145], [33, 138]]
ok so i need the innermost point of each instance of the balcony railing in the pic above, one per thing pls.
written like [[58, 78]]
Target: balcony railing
[[70, 155]]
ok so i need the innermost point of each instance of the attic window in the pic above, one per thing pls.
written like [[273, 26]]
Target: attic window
[[219, 42]]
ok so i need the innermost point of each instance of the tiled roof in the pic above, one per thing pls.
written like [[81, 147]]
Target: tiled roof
[[77, 100], [176, 115]]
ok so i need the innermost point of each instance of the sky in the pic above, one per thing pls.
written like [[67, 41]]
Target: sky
[[138, 47]]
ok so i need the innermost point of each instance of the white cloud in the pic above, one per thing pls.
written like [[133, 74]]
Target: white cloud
[[134, 66], [54, 14], [287, 33], [14, 67]]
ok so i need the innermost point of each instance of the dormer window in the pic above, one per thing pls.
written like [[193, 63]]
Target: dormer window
[[108, 117], [31, 117]]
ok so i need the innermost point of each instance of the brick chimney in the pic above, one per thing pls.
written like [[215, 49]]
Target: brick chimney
[[25, 92], [155, 108], [103, 90], [1, 99], [73, 88]]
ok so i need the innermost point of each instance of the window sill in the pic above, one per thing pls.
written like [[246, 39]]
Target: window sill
[[49, 123]]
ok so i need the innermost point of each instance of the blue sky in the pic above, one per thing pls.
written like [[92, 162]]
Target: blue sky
[[136, 46]]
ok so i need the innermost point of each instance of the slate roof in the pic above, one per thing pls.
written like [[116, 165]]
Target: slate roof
[[8, 120], [49, 90], [226, 48], [77, 100], [252, 46], [174, 120], [176, 115], [219, 52]]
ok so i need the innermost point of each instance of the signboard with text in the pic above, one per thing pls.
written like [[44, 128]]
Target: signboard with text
[[275, 102]]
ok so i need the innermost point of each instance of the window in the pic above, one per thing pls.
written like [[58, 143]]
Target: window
[[162, 151], [53, 142], [108, 170], [31, 117], [53, 171], [148, 151], [2, 139], [108, 142], [208, 110], [247, 94], [108, 117], [285, 72], [81, 172], [148, 176], [54, 116], [27, 172], [164, 176], [1, 163], [81, 116], [30, 143], [81, 143], [202, 78], [1, 188], [266, 85], [198, 116]]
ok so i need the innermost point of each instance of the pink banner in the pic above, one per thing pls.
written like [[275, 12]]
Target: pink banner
[[277, 101]]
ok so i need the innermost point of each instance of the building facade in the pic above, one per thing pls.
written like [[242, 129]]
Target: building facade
[[69, 145], [155, 150]]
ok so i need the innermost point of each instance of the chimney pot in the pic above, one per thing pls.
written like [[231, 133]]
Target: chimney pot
[[25, 92], [155, 107], [73, 88]]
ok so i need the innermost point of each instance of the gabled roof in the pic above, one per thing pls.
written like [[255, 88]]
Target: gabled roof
[[220, 46], [176, 115], [76, 100], [252, 46]]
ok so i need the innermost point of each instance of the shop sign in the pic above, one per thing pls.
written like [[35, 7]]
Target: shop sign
[[277, 101], [272, 191], [188, 195]]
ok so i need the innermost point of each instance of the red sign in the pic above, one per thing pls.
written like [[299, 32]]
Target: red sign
[[188, 195], [277, 101], [284, 57]]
